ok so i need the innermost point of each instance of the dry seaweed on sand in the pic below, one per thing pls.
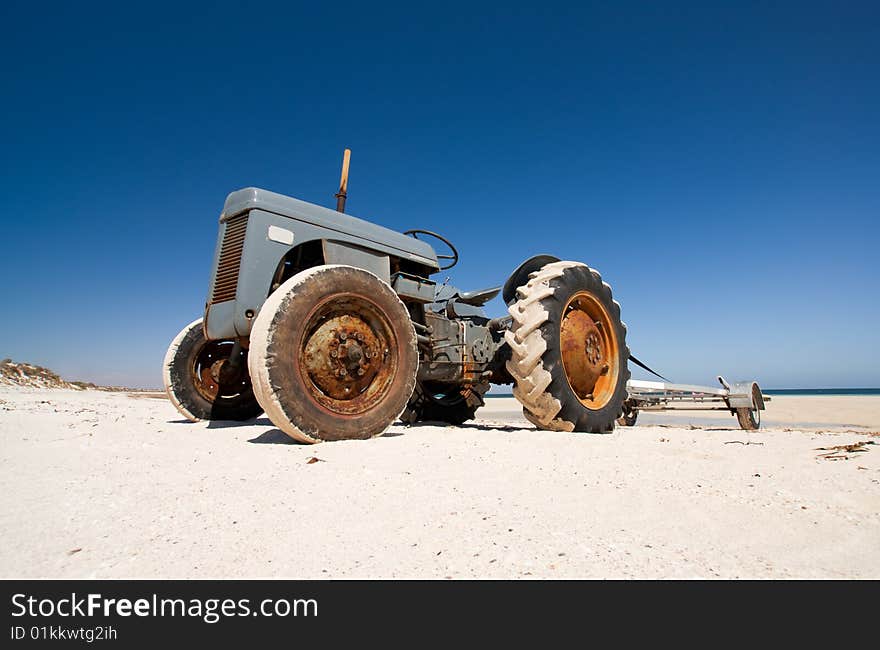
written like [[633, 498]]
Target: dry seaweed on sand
[[840, 452]]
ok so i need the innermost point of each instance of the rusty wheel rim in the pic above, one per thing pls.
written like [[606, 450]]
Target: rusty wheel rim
[[212, 375], [589, 350], [348, 354]]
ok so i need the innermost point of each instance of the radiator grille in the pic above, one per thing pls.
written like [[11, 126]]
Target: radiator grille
[[226, 280]]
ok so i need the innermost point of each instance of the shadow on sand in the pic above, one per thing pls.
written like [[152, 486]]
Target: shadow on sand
[[479, 426], [278, 437], [275, 437], [227, 424]]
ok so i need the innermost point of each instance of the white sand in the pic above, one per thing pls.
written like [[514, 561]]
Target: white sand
[[108, 486]]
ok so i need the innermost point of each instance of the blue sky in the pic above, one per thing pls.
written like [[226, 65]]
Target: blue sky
[[719, 163]]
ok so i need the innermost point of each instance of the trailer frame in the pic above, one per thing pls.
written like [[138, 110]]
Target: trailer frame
[[742, 399]]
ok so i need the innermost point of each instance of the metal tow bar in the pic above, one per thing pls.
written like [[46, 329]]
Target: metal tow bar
[[742, 399]]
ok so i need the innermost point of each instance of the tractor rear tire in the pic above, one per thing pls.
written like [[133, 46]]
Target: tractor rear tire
[[333, 355], [432, 402], [197, 384], [568, 350]]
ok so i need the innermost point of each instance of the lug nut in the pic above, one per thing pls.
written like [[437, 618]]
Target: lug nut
[[360, 372], [334, 353], [343, 335]]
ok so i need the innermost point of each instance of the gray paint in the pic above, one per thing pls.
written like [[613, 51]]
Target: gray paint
[[346, 227], [261, 256], [339, 253], [413, 288], [346, 240]]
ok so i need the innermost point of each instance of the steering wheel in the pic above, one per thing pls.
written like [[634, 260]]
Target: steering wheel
[[454, 257]]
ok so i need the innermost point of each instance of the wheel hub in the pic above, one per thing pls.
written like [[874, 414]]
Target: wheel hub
[[581, 346], [342, 356], [214, 375], [593, 348], [588, 350]]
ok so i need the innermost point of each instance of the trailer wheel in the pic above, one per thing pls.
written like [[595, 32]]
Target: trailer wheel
[[433, 401], [200, 381], [568, 350], [750, 419], [333, 355]]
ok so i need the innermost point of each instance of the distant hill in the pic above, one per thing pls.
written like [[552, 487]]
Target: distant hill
[[15, 373]]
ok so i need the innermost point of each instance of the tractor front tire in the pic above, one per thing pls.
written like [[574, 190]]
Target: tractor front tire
[[333, 355], [568, 350], [200, 381]]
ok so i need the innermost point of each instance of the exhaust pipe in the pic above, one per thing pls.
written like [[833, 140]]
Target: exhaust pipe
[[343, 182]]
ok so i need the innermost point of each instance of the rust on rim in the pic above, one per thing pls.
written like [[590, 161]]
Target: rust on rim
[[348, 354], [589, 349], [212, 374]]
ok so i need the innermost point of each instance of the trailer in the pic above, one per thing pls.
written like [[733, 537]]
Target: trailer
[[742, 399]]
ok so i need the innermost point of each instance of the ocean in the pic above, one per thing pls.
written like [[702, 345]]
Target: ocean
[[783, 391], [821, 391]]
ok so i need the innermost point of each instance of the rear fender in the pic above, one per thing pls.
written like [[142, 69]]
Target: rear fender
[[521, 276], [746, 394]]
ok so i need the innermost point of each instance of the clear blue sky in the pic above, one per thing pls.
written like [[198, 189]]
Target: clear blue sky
[[719, 163]]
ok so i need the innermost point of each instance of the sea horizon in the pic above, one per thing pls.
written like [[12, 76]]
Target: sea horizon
[[783, 391]]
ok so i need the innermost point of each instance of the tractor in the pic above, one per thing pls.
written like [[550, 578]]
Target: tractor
[[334, 327]]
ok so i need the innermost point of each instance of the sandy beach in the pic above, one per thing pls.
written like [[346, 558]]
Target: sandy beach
[[115, 485]]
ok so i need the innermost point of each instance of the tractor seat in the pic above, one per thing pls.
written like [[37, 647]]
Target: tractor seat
[[478, 298]]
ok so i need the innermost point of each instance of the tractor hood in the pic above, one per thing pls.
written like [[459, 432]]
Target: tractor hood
[[253, 198]]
